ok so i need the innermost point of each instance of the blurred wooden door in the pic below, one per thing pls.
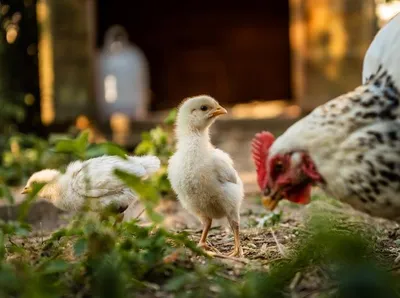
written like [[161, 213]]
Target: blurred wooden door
[[235, 51], [196, 71]]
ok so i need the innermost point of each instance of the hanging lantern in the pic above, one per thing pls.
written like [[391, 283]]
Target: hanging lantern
[[123, 83]]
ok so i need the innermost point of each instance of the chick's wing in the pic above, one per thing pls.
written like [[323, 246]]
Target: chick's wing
[[94, 179], [223, 167]]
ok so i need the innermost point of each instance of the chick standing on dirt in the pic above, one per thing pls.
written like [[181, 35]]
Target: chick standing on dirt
[[202, 176]]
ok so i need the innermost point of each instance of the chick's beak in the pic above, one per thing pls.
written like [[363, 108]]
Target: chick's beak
[[219, 111], [271, 201], [26, 190]]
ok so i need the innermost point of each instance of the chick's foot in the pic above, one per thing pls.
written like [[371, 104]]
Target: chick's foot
[[237, 249], [236, 252], [208, 247]]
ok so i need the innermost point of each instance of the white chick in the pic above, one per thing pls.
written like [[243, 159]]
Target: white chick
[[202, 176], [92, 179]]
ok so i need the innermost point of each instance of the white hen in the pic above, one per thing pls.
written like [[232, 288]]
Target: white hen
[[202, 176], [349, 146], [92, 179]]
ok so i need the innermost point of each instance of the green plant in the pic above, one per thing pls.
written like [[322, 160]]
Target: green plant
[[160, 142], [22, 155], [266, 220], [92, 255], [95, 255]]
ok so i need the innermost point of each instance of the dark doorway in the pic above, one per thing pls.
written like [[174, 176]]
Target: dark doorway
[[236, 52]]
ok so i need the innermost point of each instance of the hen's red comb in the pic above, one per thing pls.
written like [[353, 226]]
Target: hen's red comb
[[260, 149]]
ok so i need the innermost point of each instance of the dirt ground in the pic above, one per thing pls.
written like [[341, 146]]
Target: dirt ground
[[261, 245]]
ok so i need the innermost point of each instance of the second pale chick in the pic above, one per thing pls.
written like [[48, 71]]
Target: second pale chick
[[202, 176], [92, 180]]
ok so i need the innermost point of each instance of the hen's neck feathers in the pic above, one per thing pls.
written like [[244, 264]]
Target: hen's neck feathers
[[321, 133], [384, 52]]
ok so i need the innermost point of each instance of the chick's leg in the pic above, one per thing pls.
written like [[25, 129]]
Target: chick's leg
[[237, 249], [206, 227]]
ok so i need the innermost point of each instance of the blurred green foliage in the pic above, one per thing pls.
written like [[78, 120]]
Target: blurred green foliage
[[22, 155], [98, 256], [348, 254], [264, 220], [160, 142], [102, 257], [108, 258]]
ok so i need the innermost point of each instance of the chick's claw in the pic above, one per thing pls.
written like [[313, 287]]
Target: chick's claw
[[208, 248], [237, 252]]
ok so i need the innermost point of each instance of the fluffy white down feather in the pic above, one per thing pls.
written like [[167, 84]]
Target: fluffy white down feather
[[93, 179], [202, 176], [204, 179]]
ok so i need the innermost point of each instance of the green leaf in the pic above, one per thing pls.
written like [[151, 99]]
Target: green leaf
[[26, 204], [177, 283], [56, 266], [145, 147], [80, 247], [82, 141], [109, 280], [2, 247], [106, 149], [141, 187], [6, 193], [171, 118], [146, 136], [65, 146], [56, 137], [159, 136], [146, 191], [77, 147]]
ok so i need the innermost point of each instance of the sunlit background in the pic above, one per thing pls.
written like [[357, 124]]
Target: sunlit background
[[110, 65]]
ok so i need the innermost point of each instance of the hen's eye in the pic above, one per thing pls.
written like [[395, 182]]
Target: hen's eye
[[204, 108], [278, 167]]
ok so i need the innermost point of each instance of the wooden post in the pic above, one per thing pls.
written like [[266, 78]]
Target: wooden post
[[328, 42], [66, 50]]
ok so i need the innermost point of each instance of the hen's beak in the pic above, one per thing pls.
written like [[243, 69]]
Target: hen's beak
[[26, 190], [218, 111], [271, 201]]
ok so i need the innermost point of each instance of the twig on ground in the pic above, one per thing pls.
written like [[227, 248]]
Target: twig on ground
[[213, 248], [140, 213], [41, 232], [12, 242], [320, 290], [221, 256], [295, 281], [278, 244]]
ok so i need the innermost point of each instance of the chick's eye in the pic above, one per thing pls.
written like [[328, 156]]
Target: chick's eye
[[204, 108]]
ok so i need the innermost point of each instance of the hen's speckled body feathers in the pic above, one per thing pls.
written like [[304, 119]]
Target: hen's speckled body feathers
[[354, 140]]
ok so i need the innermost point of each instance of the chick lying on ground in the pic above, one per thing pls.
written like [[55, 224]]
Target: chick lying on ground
[[202, 176], [92, 180]]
